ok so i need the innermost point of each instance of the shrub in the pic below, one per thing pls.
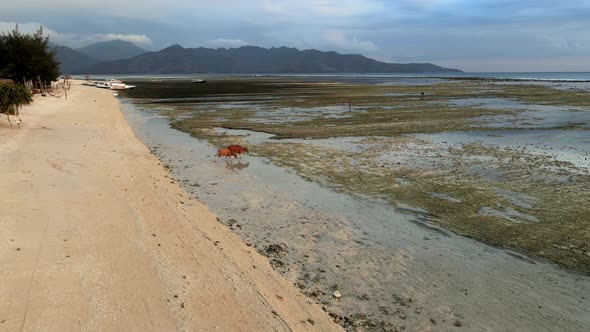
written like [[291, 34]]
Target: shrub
[[13, 97]]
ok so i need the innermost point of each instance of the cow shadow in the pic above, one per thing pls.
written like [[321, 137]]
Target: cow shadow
[[237, 166]]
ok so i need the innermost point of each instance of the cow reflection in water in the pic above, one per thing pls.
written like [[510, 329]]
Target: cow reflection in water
[[237, 166]]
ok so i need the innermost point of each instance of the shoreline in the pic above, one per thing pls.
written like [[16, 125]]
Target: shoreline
[[327, 235], [97, 235], [319, 237], [406, 120]]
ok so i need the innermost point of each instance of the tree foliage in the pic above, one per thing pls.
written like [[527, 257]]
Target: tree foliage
[[12, 97], [27, 56]]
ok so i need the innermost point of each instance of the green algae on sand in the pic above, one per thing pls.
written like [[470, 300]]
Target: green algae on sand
[[393, 165]]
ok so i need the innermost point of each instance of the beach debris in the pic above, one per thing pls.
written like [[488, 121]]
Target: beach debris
[[274, 250], [277, 263], [231, 222]]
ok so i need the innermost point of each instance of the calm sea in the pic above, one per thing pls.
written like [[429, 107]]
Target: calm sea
[[532, 76]]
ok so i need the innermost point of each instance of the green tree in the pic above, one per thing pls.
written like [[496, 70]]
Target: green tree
[[27, 56], [13, 97]]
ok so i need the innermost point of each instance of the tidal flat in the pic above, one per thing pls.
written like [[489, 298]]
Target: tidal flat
[[402, 155], [505, 164]]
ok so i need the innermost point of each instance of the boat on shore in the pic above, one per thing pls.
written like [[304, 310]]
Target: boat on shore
[[107, 84], [121, 86], [89, 83]]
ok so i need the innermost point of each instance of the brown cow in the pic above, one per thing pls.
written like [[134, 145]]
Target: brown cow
[[238, 150], [225, 153]]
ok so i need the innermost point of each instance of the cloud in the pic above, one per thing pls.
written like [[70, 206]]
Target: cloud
[[518, 64], [308, 11], [342, 41], [136, 39], [74, 39], [29, 27], [225, 43], [426, 3], [404, 30], [272, 7]]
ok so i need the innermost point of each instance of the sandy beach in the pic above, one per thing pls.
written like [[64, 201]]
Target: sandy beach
[[96, 236]]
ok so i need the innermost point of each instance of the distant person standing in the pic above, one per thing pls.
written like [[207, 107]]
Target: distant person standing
[[350, 104]]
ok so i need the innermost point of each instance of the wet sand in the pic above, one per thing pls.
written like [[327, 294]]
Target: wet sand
[[396, 124], [95, 236], [326, 219], [392, 268]]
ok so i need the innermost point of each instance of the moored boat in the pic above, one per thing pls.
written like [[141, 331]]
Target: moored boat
[[121, 86]]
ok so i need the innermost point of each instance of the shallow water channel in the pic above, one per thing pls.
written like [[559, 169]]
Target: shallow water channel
[[392, 268]]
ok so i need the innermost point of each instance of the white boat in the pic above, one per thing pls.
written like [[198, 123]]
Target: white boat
[[199, 81], [103, 85], [121, 86]]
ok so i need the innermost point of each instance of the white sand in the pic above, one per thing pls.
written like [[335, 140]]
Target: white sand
[[95, 236]]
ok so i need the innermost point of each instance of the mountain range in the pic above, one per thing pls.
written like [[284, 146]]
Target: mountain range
[[75, 61], [111, 50], [120, 57]]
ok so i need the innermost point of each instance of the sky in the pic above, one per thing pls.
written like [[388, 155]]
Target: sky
[[474, 36]]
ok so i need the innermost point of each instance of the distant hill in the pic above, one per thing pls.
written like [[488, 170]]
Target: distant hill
[[251, 59], [111, 50], [72, 61]]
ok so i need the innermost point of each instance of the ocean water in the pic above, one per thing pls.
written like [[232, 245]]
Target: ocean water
[[530, 76]]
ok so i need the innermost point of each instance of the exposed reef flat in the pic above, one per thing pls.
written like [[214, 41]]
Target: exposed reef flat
[[400, 134]]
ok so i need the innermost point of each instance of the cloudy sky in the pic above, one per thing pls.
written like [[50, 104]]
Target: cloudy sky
[[472, 35]]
